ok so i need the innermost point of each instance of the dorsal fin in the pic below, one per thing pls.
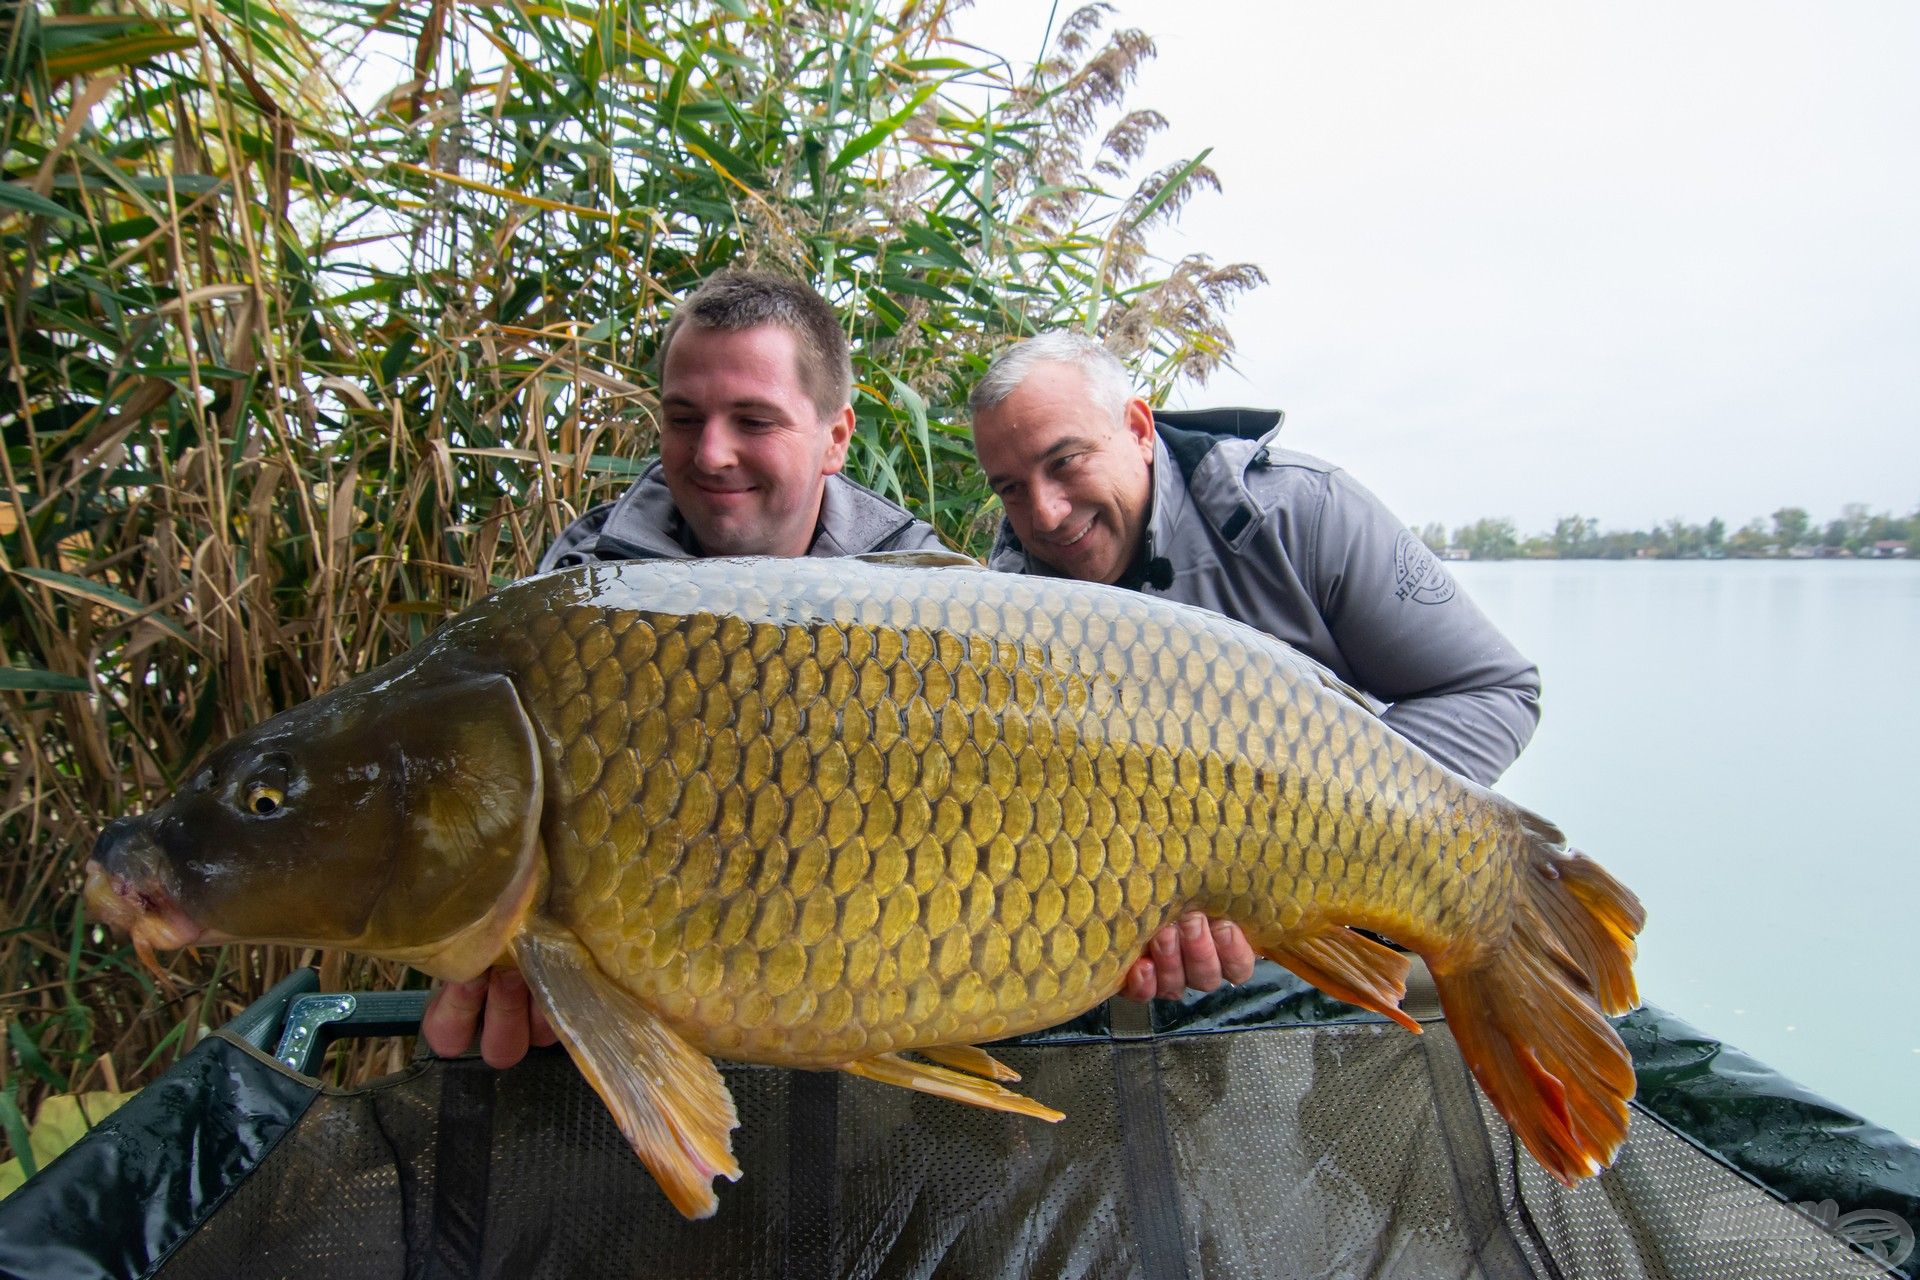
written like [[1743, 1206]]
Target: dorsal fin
[[1332, 683], [924, 559], [1341, 687]]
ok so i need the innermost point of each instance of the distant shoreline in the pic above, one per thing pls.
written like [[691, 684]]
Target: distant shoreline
[[1525, 559], [1791, 534]]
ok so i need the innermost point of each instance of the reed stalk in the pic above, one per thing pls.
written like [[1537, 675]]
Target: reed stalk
[[321, 321]]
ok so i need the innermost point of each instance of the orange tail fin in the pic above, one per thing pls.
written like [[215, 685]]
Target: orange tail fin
[[1527, 1012]]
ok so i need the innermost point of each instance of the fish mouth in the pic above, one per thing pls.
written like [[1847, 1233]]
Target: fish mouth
[[144, 911]]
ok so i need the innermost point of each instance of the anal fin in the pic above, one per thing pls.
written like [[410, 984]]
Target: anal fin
[[666, 1096], [973, 1061], [891, 1068], [1352, 967]]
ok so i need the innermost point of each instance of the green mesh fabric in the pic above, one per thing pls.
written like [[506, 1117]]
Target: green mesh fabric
[[1260, 1133], [1346, 1149]]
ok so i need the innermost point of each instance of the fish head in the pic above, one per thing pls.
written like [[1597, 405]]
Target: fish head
[[397, 816]]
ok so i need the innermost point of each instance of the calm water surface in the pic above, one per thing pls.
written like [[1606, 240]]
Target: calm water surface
[[1740, 742]]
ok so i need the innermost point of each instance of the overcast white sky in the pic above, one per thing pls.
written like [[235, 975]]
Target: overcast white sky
[[1630, 260]]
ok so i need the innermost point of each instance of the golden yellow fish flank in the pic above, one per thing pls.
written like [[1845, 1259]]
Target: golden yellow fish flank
[[827, 813]]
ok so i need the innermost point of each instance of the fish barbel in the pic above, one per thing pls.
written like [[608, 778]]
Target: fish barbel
[[824, 813]]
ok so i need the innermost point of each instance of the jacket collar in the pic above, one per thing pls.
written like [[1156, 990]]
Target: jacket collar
[[1171, 508], [837, 517], [645, 523]]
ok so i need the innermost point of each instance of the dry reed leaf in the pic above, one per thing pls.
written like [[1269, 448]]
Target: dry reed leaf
[[348, 391], [266, 483], [341, 515], [606, 382], [89, 95], [204, 293]]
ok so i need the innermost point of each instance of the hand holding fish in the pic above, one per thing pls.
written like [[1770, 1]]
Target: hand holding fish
[[499, 1006], [1196, 954]]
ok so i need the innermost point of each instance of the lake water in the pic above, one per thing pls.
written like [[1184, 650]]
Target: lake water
[[1739, 741]]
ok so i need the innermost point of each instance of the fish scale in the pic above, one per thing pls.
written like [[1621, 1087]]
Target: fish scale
[[979, 832], [817, 813]]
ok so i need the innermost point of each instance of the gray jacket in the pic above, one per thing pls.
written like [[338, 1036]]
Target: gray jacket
[[643, 524], [1291, 545]]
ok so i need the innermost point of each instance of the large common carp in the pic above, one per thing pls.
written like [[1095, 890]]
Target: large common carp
[[823, 813]]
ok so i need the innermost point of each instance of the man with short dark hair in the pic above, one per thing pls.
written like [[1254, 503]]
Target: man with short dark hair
[[756, 385], [1094, 489]]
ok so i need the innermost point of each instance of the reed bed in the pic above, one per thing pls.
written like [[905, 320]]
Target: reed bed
[[321, 321]]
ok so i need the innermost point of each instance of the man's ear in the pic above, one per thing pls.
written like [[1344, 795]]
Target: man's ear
[[839, 436], [1137, 421]]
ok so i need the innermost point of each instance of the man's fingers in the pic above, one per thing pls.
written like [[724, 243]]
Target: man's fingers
[[1197, 952], [452, 1014], [1236, 953], [504, 1035], [1193, 952], [1170, 975], [543, 1032]]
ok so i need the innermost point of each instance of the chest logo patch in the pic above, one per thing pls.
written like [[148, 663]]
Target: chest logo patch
[[1417, 575]]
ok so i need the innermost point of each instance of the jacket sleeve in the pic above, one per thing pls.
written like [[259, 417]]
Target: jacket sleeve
[[1458, 687]]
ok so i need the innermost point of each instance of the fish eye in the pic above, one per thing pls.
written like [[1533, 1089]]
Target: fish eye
[[264, 801]]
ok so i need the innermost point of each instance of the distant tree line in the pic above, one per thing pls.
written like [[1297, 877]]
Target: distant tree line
[[1789, 532]]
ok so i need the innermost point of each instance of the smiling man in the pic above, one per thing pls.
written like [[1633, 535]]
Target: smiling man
[[1095, 489], [756, 385]]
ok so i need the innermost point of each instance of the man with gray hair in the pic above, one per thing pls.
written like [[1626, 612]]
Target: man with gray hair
[[1207, 509]]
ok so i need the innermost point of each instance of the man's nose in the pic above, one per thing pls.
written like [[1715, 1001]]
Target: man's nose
[[716, 450], [1051, 506]]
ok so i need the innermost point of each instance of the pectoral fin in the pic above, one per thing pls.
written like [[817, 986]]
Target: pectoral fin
[[666, 1096], [891, 1068]]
